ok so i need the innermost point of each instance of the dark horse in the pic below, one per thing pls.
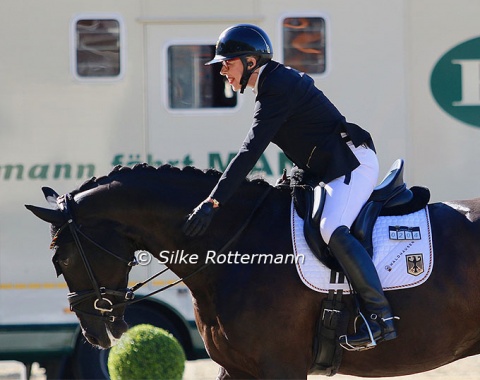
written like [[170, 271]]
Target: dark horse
[[257, 320]]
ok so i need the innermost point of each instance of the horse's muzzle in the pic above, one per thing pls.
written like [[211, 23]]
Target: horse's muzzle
[[106, 337]]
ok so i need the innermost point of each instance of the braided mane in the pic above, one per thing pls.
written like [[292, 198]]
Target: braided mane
[[120, 173]]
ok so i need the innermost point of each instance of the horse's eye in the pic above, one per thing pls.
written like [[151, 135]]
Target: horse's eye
[[64, 262]]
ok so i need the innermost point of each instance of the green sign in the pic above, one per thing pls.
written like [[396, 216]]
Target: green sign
[[455, 82]]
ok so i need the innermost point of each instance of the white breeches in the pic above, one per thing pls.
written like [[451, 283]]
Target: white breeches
[[344, 202]]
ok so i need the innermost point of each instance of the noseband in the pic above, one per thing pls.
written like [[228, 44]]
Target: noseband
[[102, 304]]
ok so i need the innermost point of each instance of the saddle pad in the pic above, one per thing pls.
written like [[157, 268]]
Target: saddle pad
[[402, 254]]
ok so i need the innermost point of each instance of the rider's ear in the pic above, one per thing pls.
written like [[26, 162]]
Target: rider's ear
[[251, 61]]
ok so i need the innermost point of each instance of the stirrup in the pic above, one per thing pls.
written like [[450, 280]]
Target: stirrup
[[372, 344], [369, 345]]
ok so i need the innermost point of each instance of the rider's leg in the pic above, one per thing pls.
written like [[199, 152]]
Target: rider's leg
[[342, 205], [343, 201], [377, 317]]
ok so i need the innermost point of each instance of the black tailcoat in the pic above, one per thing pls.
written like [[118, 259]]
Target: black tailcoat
[[295, 115]]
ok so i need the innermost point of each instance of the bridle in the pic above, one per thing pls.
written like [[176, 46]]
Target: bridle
[[104, 305]]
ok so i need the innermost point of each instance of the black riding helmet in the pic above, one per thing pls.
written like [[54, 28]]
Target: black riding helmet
[[241, 41]]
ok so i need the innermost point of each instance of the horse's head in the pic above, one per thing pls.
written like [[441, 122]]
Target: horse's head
[[95, 271]]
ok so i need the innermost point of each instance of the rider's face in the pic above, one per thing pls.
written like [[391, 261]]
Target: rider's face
[[233, 71]]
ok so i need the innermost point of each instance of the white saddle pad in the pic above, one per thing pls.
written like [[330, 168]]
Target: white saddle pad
[[402, 254]]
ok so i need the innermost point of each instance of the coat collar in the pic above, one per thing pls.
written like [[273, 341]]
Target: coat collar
[[267, 69]]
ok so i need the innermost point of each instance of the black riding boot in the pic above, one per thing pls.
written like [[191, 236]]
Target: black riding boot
[[358, 267]]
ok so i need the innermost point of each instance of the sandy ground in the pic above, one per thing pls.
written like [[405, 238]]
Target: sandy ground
[[465, 369]]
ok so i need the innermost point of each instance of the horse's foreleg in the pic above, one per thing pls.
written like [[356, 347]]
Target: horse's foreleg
[[283, 371], [272, 373], [223, 374]]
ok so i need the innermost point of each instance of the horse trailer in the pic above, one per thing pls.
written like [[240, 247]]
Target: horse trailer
[[87, 85]]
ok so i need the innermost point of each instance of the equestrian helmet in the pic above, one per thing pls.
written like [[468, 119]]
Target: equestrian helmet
[[243, 40]]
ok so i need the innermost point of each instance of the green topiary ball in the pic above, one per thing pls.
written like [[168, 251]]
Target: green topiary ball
[[146, 352]]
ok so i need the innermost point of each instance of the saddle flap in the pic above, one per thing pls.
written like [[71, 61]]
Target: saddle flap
[[311, 226]]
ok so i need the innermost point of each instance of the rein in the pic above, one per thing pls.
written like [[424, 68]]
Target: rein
[[104, 305]]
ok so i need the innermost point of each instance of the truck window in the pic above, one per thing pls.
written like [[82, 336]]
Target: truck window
[[304, 44], [97, 48], [192, 85]]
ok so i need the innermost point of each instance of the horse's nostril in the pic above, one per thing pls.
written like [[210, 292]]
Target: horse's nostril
[[118, 328], [91, 339]]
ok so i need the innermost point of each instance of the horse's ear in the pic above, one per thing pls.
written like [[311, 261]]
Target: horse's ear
[[51, 196], [54, 217]]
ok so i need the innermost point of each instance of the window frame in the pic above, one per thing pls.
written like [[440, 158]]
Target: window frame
[[73, 46], [165, 91], [328, 46]]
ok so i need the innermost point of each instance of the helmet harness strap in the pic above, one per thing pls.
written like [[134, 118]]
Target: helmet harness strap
[[247, 73]]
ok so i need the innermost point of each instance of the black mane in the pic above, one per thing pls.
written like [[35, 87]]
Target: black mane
[[122, 173]]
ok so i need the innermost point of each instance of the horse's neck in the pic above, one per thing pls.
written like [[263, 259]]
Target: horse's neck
[[153, 211]]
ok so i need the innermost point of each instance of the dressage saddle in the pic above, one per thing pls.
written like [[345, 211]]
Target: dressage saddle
[[390, 197]]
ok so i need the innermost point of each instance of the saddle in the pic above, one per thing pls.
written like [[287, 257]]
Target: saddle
[[390, 197]]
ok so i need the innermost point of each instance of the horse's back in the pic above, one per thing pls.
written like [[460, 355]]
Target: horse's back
[[456, 228]]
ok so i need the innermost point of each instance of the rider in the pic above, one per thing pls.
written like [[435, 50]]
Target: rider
[[295, 115]]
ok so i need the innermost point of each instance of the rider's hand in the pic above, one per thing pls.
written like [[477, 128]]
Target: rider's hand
[[200, 218]]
